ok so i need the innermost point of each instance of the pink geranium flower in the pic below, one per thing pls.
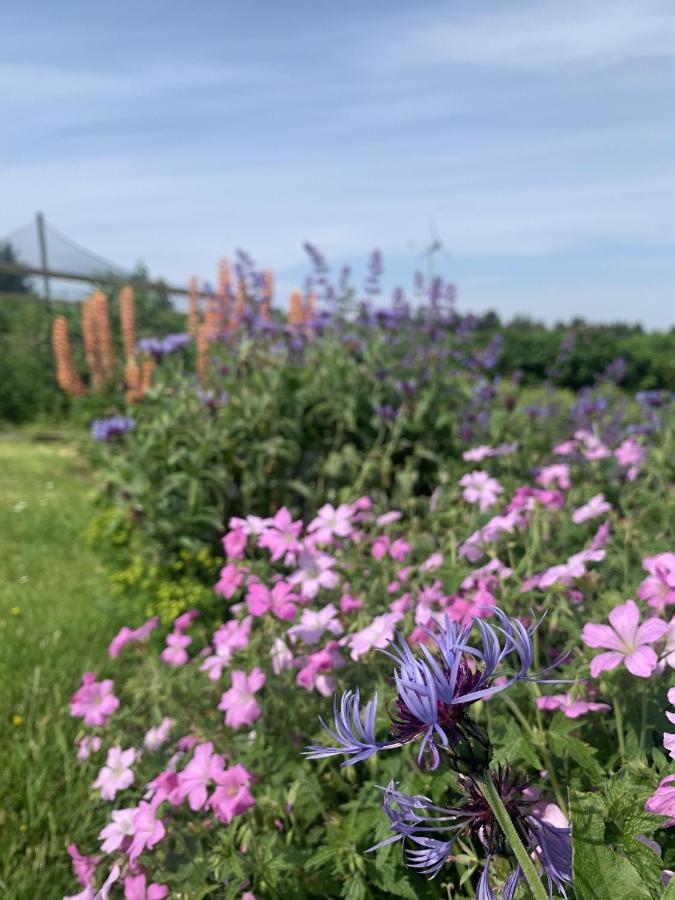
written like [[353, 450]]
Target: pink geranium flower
[[478, 454], [465, 609], [349, 603], [573, 707], [135, 889], [165, 786], [626, 641], [185, 620], [83, 866], [557, 473], [88, 745], [239, 703], [312, 675], [94, 701], [90, 893], [281, 537], [315, 572], [148, 829], [376, 635], [280, 600], [117, 835], [380, 546], [130, 636], [202, 769], [116, 775], [389, 518], [330, 522], [596, 506], [313, 623], [669, 739], [399, 549], [433, 562], [231, 797], [658, 589], [662, 801], [231, 579], [175, 654], [282, 657], [229, 638], [630, 455], [480, 488], [234, 543], [156, 737]]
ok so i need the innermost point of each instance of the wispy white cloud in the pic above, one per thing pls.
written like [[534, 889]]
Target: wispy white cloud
[[535, 34]]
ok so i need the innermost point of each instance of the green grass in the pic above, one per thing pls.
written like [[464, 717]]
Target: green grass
[[56, 617]]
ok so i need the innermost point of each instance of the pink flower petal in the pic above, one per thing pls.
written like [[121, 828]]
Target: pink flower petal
[[624, 620], [605, 662], [642, 662], [601, 636], [651, 630]]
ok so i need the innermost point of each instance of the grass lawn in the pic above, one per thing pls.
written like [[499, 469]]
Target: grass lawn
[[56, 617]]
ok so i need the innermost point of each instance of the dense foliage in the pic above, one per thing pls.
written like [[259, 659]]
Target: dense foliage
[[194, 746], [27, 369]]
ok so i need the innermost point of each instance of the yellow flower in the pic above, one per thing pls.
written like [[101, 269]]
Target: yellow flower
[[15, 610], [17, 720]]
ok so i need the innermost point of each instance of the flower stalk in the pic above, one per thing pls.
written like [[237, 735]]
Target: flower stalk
[[517, 847]]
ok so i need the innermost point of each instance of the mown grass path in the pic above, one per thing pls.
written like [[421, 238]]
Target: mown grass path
[[56, 617]]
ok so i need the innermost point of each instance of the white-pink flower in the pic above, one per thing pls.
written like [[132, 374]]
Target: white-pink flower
[[229, 638], [116, 775], [596, 506], [376, 635], [626, 640], [313, 623], [480, 488], [114, 836], [330, 522], [557, 473], [669, 739], [315, 572], [88, 745], [148, 829], [239, 703], [156, 737], [202, 769]]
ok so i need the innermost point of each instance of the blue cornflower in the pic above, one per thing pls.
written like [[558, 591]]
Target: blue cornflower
[[428, 832], [434, 691], [107, 429]]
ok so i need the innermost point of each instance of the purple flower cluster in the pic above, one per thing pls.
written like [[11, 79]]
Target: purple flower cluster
[[161, 347], [107, 429]]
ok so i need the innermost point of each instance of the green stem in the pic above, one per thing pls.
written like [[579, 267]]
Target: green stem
[[643, 716], [543, 746], [618, 721], [502, 816]]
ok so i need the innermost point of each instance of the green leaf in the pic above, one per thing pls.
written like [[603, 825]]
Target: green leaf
[[600, 873]]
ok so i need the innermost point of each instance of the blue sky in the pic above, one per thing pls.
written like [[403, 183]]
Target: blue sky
[[537, 139]]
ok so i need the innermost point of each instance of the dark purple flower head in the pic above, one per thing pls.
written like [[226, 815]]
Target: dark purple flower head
[[434, 691], [428, 831], [107, 429]]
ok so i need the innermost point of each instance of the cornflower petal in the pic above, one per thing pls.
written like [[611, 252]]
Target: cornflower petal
[[356, 738]]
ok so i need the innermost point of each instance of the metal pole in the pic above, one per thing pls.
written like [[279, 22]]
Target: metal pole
[[42, 241]]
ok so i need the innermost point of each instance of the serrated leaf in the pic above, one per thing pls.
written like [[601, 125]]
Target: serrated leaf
[[600, 873]]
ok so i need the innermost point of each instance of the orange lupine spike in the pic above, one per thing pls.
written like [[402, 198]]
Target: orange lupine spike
[[128, 321], [91, 344], [67, 376]]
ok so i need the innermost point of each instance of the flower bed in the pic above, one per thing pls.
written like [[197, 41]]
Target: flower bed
[[525, 621]]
